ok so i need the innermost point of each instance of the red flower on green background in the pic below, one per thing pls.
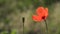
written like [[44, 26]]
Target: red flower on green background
[[41, 14]]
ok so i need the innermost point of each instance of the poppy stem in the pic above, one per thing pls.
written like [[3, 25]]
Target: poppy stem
[[46, 26], [23, 28], [23, 19]]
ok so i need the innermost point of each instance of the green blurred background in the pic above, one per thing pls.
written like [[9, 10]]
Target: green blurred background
[[12, 12]]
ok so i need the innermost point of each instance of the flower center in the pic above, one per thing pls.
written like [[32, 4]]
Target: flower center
[[43, 17]]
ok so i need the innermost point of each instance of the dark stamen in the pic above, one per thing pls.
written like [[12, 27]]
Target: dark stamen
[[43, 17]]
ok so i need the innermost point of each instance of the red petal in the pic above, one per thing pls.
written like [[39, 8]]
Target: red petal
[[39, 10], [46, 13], [36, 18]]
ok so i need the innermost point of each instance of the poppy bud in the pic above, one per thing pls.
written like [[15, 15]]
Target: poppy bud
[[23, 19]]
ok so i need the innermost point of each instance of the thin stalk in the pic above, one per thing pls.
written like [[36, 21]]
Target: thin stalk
[[46, 26], [23, 19], [23, 28]]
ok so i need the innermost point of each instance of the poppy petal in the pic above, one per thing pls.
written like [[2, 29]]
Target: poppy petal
[[39, 10], [46, 12], [36, 18]]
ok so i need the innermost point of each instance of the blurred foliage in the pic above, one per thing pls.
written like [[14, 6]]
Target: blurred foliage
[[5, 5], [9, 6], [13, 31], [6, 21], [49, 2]]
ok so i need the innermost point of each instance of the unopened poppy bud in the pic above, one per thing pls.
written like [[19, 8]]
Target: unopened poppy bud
[[23, 19]]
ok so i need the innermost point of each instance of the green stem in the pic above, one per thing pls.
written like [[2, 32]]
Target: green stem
[[23, 28], [46, 26], [23, 19]]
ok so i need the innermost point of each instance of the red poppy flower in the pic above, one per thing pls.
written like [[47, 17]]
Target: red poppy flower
[[42, 14]]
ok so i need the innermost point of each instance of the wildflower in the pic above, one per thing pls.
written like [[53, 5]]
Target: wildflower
[[41, 14]]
